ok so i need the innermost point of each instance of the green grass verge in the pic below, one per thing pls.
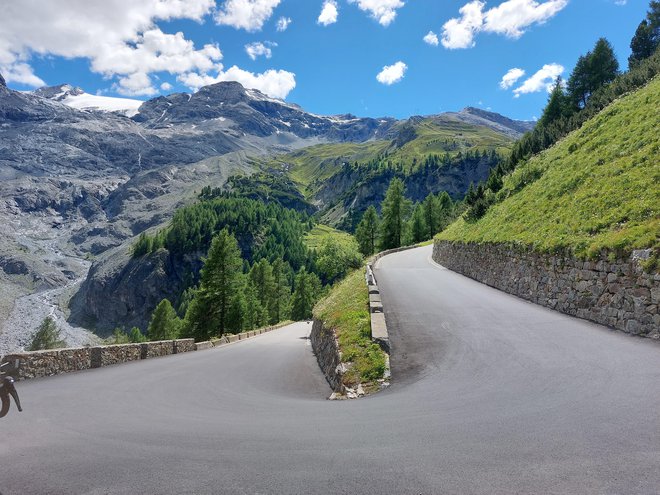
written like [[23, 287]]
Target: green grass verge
[[598, 189], [346, 310], [315, 237]]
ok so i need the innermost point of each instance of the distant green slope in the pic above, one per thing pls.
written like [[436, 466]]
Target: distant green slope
[[599, 188], [415, 140], [315, 238]]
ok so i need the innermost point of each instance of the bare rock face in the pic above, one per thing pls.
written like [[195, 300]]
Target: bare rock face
[[124, 289]]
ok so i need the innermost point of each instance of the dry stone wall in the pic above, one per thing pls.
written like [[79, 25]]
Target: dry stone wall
[[618, 294], [327, 353]]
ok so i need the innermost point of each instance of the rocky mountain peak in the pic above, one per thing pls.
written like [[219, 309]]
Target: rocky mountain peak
[[228, 92], [59, 92], [3, 84]]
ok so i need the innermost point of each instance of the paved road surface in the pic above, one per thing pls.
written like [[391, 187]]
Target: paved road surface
[[492, 395]]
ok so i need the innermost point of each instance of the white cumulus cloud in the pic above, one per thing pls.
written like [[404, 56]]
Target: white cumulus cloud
[[544, 79], [329, 13], [511, 77], [118, 37], [283, 23], [431, 38], [392, 73], [384, 11], [258, 49], [460, 32], [275, 83], [511, 18], [250, 15]]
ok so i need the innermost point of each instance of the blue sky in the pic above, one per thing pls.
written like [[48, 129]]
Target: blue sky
[[333, 67]]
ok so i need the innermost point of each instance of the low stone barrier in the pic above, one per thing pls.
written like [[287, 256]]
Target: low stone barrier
[[157, 349], [37, 364], [618, 294], [108, 355], [184, 345], [46, 363], [202, 346]]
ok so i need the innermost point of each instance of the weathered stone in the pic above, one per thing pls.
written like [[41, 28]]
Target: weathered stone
[[326, 350], [610, 293]]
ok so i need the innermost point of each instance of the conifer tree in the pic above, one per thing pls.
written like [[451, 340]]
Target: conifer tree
[[446, 206], [47, 336], [279, 307], [418, 229], [164, 324], [557, 106], [304, 296], [394, 211], [431, 207], [263, 285], [603, 65], [220, 285], [366, 232]]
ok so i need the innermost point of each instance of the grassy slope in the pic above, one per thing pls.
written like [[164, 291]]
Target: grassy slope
[[598, 189], [320, 162], [346, 310], [315, 237], [433, 134]]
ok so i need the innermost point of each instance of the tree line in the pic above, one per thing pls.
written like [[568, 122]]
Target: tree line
[[594, 83], [401, 222]]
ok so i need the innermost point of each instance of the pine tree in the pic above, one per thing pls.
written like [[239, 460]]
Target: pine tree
[[418, 229], [366, 232], [136, 336], [304, 296], [647, 36], [603, 65], [263, 285], [221, 283], [642, 43], [578, 85], [431, 207], [446, 206], [47, 336], [557, 107], [394, 211], [164, 324], [593, 70], [279, 307]]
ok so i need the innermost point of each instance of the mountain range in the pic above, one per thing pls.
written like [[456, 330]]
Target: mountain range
[[82, 175]]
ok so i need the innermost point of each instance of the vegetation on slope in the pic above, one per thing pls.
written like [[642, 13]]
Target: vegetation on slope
[[597, 189], [346, 310], [417, 139], [320, 234]]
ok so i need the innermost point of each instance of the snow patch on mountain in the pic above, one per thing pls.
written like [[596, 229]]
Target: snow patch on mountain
[[77, 98]]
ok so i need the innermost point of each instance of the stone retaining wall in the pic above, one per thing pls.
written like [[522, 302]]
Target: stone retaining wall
[[618, 294], [328, 355]]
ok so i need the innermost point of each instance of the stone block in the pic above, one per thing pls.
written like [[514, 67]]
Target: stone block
[[202, 346], [184, 345], [157, 349], [108, 355]]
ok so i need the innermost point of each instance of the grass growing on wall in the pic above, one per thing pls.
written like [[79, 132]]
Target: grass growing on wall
[[346, 310], [598, 189]]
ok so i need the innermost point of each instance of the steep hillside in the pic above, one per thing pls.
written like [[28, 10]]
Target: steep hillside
[[597, 189], [444, 152]]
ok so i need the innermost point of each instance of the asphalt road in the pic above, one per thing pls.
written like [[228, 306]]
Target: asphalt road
[[491, 395]]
